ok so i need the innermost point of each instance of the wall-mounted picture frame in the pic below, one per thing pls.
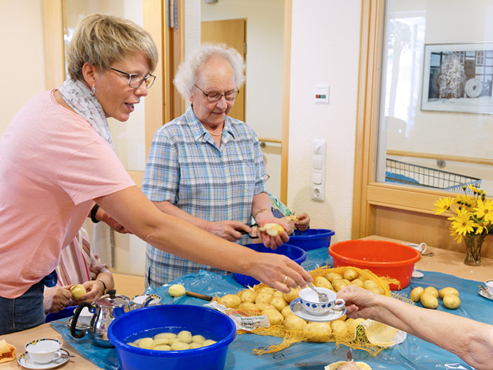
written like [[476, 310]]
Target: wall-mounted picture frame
[[458, 78]]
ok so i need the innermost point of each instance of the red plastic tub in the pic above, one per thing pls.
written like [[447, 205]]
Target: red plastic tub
[[383, 258]]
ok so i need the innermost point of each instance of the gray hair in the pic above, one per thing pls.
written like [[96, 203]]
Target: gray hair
[[186, 76], [102, 39]]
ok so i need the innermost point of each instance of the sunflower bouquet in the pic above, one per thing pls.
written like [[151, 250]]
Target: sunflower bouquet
[[471, 217]]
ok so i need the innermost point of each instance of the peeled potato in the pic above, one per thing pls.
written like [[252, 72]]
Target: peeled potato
[[416, 294], [165, 335], [428, 300], [230, 300], [147, 343], [185, 336], [446, 291], [160, 341], [336, 365], [292, 295], [272, 229], [208, 342], [295, 323], [451, 301], [162, 347], [198, 339], [179, 346], [176, 290], [194, 345], [432, 290]]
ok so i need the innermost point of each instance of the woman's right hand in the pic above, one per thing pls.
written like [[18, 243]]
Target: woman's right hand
[[228, 230], [56, 299]]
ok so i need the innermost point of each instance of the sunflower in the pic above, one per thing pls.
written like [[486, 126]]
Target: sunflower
[[443, 204], [462, 222], [484, 210]]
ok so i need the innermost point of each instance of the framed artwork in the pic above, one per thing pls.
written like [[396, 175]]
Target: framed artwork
[[458, 78]]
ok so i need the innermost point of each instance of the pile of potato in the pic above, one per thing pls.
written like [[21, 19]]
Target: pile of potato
[[429, 297], [173, 342], [275, 305]]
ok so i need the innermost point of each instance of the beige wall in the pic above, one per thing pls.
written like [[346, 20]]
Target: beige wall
[[22, 55]]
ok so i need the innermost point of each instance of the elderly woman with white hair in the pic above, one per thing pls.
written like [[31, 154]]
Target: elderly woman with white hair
[[206, 167]]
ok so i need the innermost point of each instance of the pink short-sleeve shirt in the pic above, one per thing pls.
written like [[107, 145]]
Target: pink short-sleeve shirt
[[52, 165]]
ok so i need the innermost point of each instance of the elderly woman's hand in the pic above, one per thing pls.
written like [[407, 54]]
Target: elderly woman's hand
[[229, 230], [56, 299], [274, 241], [94, 290], [303, 222]]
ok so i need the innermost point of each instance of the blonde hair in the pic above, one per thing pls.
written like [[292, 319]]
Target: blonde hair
[[186, 76], [102, 39]]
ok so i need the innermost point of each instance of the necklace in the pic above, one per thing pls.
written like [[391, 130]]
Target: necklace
[[213, 134]]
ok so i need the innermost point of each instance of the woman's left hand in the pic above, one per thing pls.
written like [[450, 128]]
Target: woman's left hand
[[94, 290], [273, 242], [303, 222]]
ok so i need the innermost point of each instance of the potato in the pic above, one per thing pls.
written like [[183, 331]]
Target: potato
[[277, 294], [317, 331], [330, 276], [198, 339], [147, 343], [339, 284], [346, 281], [247, 306], [274, 316], [295, 323], [292, 295], [367, 284], [272, 229], [165, 335], [160, 341], [176, 290], [173, 340], [263, 306], [77, 291], [428, 300], [362, 278], [339, 328], [185, 336], [446, 291], [179, 346], [322, 282], [263, 298], [230, 300], [432, 290], [208, 342], [342, 318], [267, 290], [162, 347], [286, 311], [350, 274], [451, 301], [357, 282], [279, 303], [338, 364], [377, 290], [248, 296], [416, 293], [195, 345]]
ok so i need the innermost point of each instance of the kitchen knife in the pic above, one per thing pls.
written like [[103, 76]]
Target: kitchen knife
[[200, 296]]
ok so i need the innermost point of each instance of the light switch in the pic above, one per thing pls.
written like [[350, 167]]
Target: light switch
[[317, 163], [317, 178], [318, 170]]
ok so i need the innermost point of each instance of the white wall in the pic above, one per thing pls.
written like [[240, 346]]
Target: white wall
[[21, 55], [324, 50]]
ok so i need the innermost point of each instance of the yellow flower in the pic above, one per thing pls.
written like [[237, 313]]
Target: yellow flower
[[484, 210], [443, 204], [464, 199], [458, 237], [474, 189], [462, 223]]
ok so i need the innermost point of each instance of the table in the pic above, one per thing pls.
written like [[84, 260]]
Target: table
[[444, 261]]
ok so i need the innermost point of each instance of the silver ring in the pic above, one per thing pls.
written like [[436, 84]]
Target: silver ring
[[285, 278]]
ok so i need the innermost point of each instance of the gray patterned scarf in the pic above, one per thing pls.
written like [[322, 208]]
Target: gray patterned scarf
[[78, 96]]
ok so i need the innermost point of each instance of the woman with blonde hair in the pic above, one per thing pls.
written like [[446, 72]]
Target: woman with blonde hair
[[58, 159]]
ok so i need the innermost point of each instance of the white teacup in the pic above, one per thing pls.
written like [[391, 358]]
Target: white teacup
[[44, 351], [421, 248], [310, 302], [489, 285]]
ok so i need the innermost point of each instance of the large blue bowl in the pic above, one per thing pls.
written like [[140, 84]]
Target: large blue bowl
[[311, 238], [295, 253], [147, 322]]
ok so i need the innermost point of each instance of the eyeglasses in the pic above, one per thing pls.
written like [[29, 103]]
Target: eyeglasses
[[215, 96], [135, 80]]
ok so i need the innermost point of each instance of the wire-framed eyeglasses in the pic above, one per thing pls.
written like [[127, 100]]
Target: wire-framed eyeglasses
[[213, 97], [135, 80]]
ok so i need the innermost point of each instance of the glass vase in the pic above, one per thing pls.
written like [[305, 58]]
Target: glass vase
[[473, 249]]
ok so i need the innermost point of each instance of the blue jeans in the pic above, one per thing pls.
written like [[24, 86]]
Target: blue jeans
[[23, 312]]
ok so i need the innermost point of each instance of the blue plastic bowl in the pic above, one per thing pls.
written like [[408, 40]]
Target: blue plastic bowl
[[311, 238], [296, 254], [147, 322]]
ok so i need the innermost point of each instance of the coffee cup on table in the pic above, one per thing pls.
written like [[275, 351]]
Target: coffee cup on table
[[489, 285], [421, 248], [310, 302], [44, 351]]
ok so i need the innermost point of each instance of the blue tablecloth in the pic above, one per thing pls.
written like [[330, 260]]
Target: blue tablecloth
[[414, 353]]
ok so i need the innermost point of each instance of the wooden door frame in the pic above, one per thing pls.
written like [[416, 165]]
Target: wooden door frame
[[163, 102], [367, 193]]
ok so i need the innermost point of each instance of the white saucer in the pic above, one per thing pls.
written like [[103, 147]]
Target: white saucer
[[482, 294], [25, 361], [296, 308]]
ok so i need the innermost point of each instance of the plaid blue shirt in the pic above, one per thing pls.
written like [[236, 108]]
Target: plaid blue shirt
[[188, 169]]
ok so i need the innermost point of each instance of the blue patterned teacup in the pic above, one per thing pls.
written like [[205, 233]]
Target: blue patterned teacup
[[311, 305]]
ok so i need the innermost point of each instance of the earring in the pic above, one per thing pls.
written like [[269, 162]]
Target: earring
[[93, 89]]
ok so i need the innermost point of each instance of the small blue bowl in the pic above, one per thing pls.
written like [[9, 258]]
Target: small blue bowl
[[150, 321], [311, 238], [298, 255]]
